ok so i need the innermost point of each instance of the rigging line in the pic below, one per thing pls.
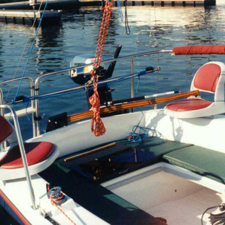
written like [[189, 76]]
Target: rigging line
[[21, 56], [120, 10], [31, 49], [127, 28], [158, 58]]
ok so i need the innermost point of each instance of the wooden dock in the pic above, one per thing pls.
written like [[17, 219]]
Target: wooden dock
[[30, 16]]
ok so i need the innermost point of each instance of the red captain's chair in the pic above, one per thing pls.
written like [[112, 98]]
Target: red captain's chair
[[39, 155], [209, 78]]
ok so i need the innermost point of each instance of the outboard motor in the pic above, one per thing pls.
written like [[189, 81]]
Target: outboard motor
[[82, 76]]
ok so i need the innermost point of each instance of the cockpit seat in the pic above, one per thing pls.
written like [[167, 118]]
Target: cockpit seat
[[209, 78], [39, 155]]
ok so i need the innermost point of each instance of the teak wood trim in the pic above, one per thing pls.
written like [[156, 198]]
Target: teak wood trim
[[89, 152], [129, 105]]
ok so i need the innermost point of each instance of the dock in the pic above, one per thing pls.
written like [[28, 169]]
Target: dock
[[163, 3], [64, 4], [26, 12], [29, 16], [52, 4]]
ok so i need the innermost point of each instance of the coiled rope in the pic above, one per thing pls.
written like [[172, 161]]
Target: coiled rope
[[139, 133], [216, 218], [97, 126]]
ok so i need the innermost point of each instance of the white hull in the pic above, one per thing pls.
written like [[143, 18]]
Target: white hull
[[205, 132], [162, 190]]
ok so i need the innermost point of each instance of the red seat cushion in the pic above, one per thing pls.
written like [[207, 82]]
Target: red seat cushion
[[5, 129], [207, 77], [36, 152], [188, 105]]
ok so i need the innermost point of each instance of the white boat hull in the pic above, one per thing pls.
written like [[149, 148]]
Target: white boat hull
[[156, 186]]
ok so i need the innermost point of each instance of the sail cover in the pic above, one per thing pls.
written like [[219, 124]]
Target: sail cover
[[199, 49]]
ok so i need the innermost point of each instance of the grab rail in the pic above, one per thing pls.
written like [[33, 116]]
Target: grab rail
[[31, 109], [22, 151]]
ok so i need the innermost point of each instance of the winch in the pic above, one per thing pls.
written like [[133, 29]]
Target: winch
[[56, 195]]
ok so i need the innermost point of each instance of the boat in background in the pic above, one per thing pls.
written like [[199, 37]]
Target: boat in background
[[156, 166]]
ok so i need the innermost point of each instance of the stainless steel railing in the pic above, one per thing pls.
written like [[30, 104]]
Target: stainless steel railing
[[131, 57], [22, 151], [35, 85], [30, 110]]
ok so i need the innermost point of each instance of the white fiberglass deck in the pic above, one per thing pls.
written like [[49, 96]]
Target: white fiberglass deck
[[178, 200], [17, 193]]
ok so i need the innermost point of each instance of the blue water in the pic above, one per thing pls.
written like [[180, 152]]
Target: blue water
[[152, 28]]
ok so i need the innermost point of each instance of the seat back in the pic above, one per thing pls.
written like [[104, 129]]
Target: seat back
[[5, 129], [210, 78]]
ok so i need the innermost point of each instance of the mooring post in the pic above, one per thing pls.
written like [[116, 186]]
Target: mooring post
[[209, 2]]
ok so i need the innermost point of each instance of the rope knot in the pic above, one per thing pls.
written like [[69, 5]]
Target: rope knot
[[97, 126], [105, 8]]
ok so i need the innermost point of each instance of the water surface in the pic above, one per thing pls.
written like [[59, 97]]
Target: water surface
[[152, 28]]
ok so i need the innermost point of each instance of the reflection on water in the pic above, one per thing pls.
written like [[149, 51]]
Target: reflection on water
[[49, 43], [151, 28]]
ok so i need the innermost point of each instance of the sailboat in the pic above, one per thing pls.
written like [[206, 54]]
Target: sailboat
[[162, 165], [113, 164]]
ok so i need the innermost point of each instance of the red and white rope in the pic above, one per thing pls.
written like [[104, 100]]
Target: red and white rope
[[53, 202], [97, 126]]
